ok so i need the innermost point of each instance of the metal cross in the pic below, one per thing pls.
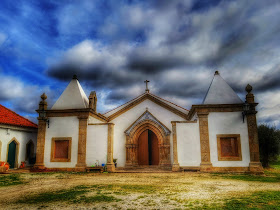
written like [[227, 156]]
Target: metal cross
[[147, 89]]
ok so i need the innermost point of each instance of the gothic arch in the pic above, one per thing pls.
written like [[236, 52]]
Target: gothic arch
[[17, 151], [30, 151], [144, 122]]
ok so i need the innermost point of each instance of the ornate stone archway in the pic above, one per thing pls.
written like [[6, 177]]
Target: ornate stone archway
[[147, 122]]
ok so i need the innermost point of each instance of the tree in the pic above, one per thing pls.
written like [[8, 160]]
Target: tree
[[269, 141]]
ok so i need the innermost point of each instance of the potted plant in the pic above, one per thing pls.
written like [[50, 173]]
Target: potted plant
[[115, 161]]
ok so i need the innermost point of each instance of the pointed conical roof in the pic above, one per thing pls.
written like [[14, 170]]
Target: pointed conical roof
[[73, 97], [220, 92]]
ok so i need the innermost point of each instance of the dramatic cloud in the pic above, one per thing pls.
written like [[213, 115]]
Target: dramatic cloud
[[113, 46]]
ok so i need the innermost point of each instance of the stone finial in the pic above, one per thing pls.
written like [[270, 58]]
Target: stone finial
[[249, 88], [43, 104], [75, 77], [249, 96], [217, 73], [92, 100]]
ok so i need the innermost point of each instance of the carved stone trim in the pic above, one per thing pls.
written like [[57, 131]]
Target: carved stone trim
[[206, 164], [147, 116], [175, 166], [220, 157], [153, 99], [132, 143], [54, 139], [76, 112], [17, 150], [206, 108]]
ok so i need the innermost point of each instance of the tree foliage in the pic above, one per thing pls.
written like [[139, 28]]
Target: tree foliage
[[269, 141]]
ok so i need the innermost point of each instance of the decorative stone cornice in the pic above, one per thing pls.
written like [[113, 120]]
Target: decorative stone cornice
[[206, 108], [76, 112]]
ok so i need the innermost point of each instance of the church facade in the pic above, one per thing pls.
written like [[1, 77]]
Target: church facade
[[218, 135]]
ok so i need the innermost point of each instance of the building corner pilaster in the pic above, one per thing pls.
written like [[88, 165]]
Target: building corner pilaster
[[206, 165], [255, 165], [175, 165], [42, 125], [82, 142], [110, 162]]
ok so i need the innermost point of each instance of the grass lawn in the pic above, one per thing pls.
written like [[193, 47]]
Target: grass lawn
[[182, 190]]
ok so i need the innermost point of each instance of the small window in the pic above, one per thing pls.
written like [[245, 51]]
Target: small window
[[61, 149], [229, 147]]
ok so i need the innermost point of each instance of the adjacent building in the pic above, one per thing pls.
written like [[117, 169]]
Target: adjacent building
[[18, 137]]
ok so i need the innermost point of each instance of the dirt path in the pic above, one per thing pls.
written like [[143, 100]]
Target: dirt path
[[173, 189]]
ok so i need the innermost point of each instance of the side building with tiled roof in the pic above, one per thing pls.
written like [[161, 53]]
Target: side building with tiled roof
[[18, 137]]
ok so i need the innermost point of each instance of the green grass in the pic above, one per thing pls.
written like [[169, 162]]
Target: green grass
[[78, 194], [270, 175], [11, 179], [60, 195], [275, 164], [258, 200]]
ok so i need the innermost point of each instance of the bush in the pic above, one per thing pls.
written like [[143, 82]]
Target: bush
[[269, 141]]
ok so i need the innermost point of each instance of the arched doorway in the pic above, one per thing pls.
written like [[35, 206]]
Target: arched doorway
[[13, 153], [30, 152], [140, 129], [148, 148]]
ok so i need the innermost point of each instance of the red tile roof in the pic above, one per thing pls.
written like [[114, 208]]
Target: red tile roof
[[9, 117]]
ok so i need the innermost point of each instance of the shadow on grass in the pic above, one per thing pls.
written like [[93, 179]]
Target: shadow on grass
[[11, 179], [78, 194]]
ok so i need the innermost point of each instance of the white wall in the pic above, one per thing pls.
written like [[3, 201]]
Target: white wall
[[22, 137], [96, 144], [94, 120], [123, 121], [228, 123], [188, 144], [62, 127]]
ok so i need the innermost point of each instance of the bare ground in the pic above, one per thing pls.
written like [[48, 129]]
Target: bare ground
[[173, 190]]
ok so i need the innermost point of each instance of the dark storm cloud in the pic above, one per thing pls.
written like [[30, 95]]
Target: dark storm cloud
[[270, 81], [113, 46]]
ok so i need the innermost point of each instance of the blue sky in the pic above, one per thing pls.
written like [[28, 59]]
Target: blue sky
[[113, 46]]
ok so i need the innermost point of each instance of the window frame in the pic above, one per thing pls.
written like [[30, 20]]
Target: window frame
[[236, 158], [54, 139]]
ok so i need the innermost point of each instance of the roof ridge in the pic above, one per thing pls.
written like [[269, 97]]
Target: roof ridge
[[123, 104], [18, 116], [169, 102]]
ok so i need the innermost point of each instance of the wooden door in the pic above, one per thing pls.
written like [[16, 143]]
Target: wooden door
[[143, 150], [153, 141], [12, 154]]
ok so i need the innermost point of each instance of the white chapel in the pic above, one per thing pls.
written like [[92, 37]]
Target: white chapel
[[218, 135]]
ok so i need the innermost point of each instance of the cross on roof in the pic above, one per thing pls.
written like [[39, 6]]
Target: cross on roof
[[147, 89]]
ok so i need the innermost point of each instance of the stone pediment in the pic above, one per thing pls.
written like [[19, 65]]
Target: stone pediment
[[147, 116]]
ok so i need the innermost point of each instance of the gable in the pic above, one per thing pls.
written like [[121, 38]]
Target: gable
[[147, 96]]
